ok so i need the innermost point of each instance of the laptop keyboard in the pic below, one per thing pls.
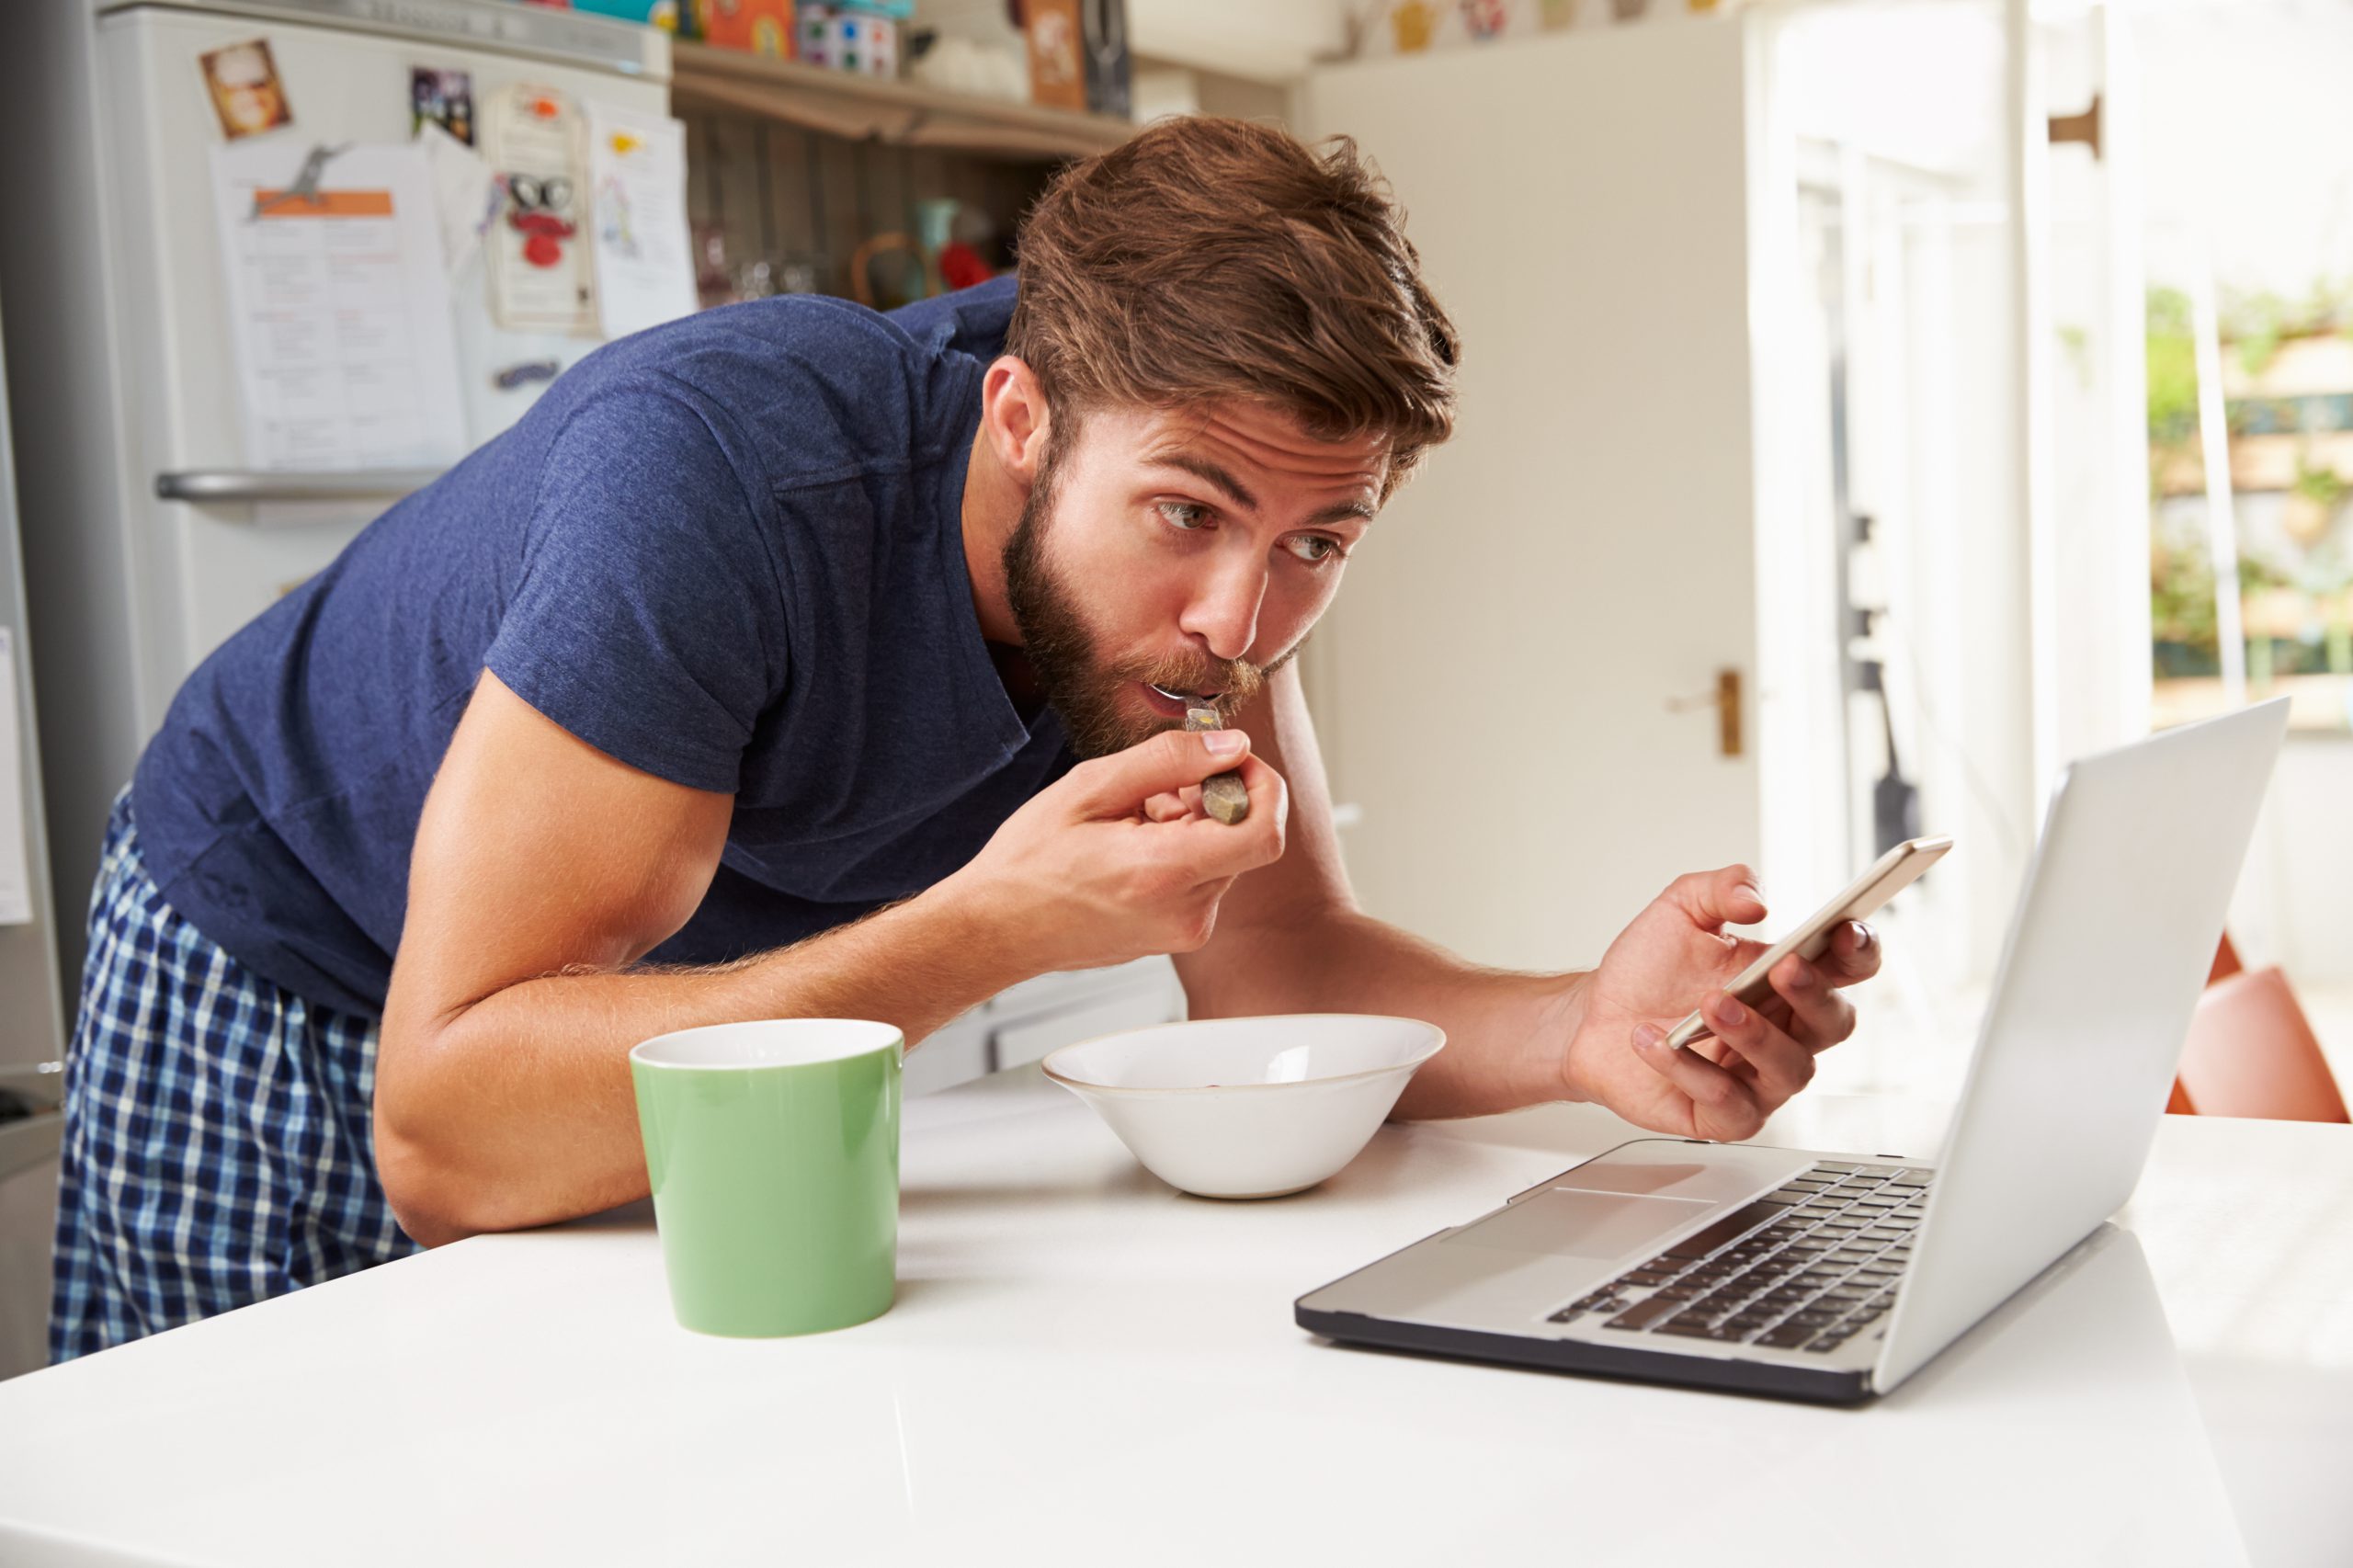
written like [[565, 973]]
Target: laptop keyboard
[[1805, 1268]]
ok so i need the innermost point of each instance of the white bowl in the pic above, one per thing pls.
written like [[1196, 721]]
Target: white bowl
[[1248, 1108]]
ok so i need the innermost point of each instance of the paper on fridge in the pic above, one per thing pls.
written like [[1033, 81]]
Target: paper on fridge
[[340, 308], [637, 171], [466, 200], [16, 869]]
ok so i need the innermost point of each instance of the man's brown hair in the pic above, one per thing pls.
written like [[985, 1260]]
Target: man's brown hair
[[1208, 259]]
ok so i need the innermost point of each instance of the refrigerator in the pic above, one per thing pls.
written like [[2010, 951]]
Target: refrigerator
[[147, 534], [32, 1021], [151, 531]]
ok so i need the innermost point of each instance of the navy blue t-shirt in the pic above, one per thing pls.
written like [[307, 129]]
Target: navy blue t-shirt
[[727, 551]]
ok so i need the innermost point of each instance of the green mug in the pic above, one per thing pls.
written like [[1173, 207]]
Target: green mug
[[773, 1151]]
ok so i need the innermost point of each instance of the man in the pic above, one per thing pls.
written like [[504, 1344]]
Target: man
[[747, 677]]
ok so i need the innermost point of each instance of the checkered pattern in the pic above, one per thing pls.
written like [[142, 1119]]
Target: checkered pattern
[[217, 1141]]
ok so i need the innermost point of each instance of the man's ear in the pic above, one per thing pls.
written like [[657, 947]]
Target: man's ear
[[1014, 417]]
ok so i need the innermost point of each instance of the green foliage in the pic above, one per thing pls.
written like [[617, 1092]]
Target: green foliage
[[2173, 375], [2323, 484]]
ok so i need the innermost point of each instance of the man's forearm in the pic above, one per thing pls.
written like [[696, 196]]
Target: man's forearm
[[1504, 1029], [519, 1109]]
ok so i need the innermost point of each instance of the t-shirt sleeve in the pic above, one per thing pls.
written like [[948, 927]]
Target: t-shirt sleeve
[[648, 618]]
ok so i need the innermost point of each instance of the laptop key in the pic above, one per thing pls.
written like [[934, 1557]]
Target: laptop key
[[1641, 1314], [1832, 1165], [1689, 1330], [1789, 1337], [1910, 1178], [1730, 1228]]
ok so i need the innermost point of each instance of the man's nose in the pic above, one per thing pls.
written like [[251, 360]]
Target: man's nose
[[1224, 614]]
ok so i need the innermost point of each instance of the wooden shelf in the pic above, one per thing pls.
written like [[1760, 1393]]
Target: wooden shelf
[[865, 108]]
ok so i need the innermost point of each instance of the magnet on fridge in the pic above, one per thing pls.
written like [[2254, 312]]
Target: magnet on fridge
[[444, 98], [242, 80], [525, 373], [536, 210]]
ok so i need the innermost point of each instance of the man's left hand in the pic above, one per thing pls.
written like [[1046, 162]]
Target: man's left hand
[[1677, 956]]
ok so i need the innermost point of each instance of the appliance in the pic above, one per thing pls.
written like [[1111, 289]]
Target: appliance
[[33, 1026], [1834, 1276], [148, 539]]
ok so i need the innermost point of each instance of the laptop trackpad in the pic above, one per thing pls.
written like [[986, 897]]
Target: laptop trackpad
[[1570, 1223]]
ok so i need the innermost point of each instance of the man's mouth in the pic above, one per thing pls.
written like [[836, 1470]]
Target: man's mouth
[[1173, 704]]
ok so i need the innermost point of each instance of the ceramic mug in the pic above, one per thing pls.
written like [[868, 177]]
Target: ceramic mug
[[773, 1151]]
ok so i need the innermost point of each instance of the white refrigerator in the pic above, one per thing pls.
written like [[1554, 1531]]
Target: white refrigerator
[[146, 535], [151, 535]]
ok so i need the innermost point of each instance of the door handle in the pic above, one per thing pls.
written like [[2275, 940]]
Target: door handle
[[1726, 699]]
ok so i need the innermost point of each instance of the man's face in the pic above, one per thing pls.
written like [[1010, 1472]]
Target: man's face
[[1168, 555]]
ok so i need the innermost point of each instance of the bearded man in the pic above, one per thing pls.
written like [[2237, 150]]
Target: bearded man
[[796, 660]]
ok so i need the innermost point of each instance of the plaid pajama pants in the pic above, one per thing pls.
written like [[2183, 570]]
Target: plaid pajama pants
[[218, 1149]]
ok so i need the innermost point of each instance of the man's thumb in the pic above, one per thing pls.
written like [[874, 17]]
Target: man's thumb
[[1121, 782]]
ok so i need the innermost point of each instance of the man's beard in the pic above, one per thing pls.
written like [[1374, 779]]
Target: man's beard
[[1083, 690]]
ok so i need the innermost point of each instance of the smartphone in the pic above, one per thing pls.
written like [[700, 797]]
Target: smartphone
[[1891, 874]]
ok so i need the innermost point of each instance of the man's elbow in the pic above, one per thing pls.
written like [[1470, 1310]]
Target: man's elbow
[[427, 1195], [434, 1196]]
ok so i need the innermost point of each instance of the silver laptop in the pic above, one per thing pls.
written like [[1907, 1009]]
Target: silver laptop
[[1835, 1275]]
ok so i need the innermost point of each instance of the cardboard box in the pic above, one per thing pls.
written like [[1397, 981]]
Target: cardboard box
[[756, 26]]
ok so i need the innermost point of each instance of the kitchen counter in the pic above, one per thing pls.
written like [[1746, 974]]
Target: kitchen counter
[[1083, 1365]]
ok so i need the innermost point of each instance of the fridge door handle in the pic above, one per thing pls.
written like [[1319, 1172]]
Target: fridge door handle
[[214, 486]]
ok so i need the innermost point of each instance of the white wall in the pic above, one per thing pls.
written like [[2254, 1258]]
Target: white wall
[[1494, 682]]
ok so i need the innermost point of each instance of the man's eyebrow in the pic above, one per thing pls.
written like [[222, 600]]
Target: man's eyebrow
[[1210, 473], [1207, 473]]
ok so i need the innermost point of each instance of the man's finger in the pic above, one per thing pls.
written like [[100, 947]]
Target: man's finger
[[1718, 1097], [1212, 849], [1782, 1066], [1853, 955], [1170, 805], [1819, 1018], [1714, 900], [1118, 784]]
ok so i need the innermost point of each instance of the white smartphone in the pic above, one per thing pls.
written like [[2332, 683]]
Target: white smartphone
[[1889, 875]]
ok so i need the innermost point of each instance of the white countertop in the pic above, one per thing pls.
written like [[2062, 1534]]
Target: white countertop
[[1083, 1365]]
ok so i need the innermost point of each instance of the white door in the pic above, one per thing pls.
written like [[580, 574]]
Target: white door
[[1517, 685]]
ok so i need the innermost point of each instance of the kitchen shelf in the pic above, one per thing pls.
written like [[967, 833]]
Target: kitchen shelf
[[839, 103]]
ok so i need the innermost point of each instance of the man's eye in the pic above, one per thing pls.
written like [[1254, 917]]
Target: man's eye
[[1314, 548], [1185, 515]]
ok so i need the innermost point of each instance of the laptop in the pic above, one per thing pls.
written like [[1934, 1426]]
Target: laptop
[[1835, 1275]]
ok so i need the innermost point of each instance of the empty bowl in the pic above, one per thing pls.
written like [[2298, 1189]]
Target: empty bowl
[[1248, 1108]]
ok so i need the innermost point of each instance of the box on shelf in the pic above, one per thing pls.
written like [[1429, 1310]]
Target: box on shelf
[[756, 26], [662, 14], [848, 38], [1057, 41]]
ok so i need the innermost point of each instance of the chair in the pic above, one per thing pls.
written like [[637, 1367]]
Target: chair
[[2252, 1052]]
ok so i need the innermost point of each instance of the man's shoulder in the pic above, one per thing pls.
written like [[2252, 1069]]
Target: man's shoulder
[[814, 389]]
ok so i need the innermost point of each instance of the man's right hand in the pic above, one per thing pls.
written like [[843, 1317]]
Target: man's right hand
[[1098, 868]]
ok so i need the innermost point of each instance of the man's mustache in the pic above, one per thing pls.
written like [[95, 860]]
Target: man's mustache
[[1236, 681]]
